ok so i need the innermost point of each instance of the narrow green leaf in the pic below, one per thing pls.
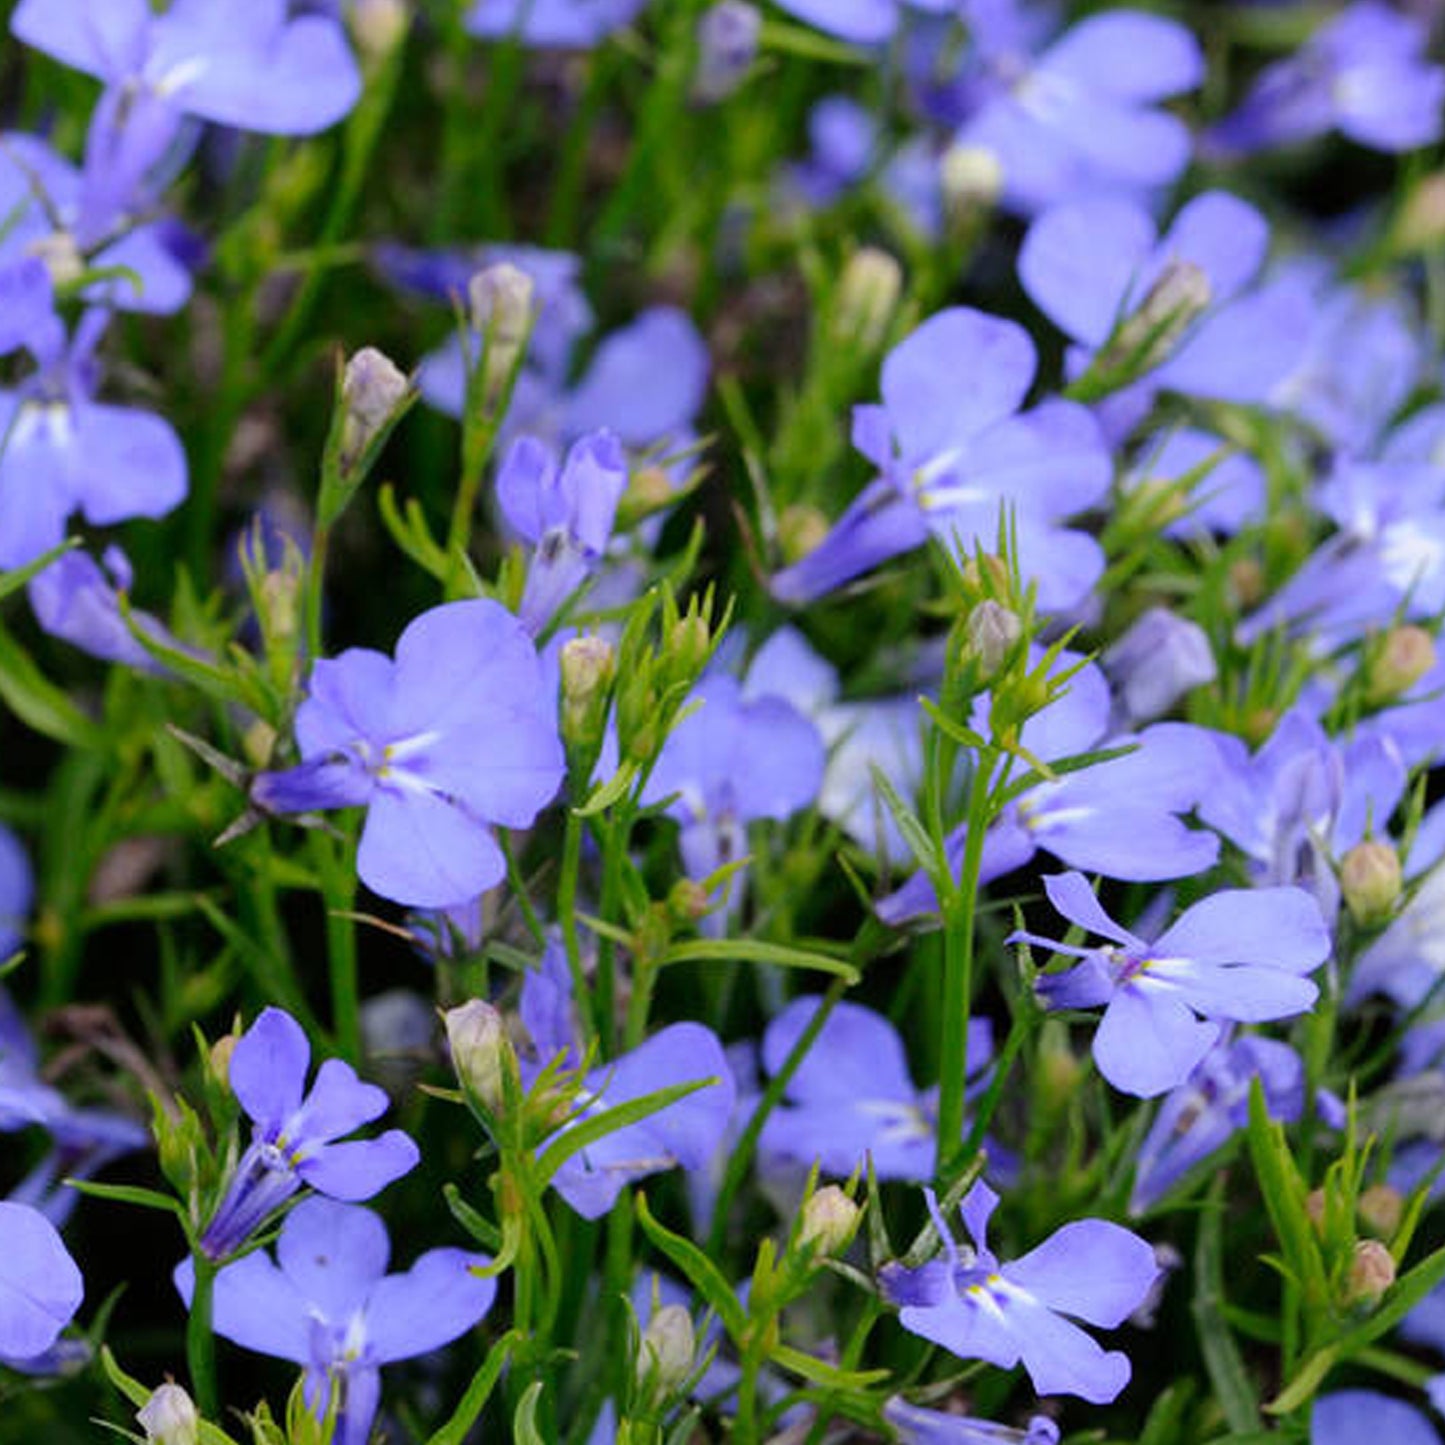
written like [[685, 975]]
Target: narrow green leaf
[[605, 795], [1284, 1198], [752, 950], [928, 857], [704, 1276], [482, 1230], [820, 1372], [454, 1432], [38, 703], [129, 1194], [15, 578], [524, 1422], [586, 1132], [1236, 1393]]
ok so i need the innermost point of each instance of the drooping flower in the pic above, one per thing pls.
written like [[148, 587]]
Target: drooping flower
[[1347, 1417], [1240, 955], [954, 454], [457, 734], [1015, 1313], [298, 1135], [328, 1304], [40, 1285], [1159, 659], [918, 1426]]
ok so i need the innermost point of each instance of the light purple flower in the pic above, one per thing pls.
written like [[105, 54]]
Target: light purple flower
[[17, 890], [1083, 117], [565, 24], [328, 1304], [294, 1140], [40, 1286], [1204, 1112], [917, 1426], [954, 454], [457, 734], [1350, 1417], [238, 62], [852, 1096], [1363, 73], [565, 510], [1008, 1314], [1160, 658], [1240, 955], [77, 599], [63, 451]]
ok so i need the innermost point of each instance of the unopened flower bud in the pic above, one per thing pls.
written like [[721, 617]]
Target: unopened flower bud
[[1372, 1272], [588, 666], [219, 1060], [169, 1417], [1246, 583], [868, 293], [373, 387], [688, 901], [1405, 656], [378, 26], [500, 302], [1381, 1209], [649, 490], [830, 1220], [727, 45], [1154, 328], [992, 631], [688, 646], [481, 1050], [800, 530], [972, 179], [1420, 224], [1370, 881], [665, 1358]]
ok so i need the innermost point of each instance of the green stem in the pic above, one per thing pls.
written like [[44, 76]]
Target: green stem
[[315, 586], [567, 913], [200, 1341], [960, 903], [338, 882]]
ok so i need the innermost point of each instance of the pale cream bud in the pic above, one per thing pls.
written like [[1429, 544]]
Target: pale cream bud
[[830, 1220], [481, 1050], [1372, 1272], [169, 1417], [1370, 881], [668, 1349]]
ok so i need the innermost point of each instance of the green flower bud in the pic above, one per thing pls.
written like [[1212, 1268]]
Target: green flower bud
[[588, 665], [830, 1220], [992, 632], [1405, 655], [1370, 881], [1372, 1272], [1155, 327], [1381, 1209], [868, 294]]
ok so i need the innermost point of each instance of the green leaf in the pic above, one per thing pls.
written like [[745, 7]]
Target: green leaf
[[704, 1276], [129, 1194], [820, 1372], [928, 857], [752, 950], [454, 1432], [482, 1230], [1235, 1391], [38, 703], [808, 44], [588, 1131], [604, 795], [12, 580], [524, 1422], [1284, 1197]]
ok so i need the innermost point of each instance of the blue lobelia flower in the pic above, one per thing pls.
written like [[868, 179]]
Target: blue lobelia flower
[[63, 451], [734, 761], [1205, 1111], [564, 24], [242, 63], [77, 599], [864, 22], [328, 1304], [1348, 1417], [954, 453], [73, 217], [1096, 265], [1121, 817], [455, 735], [565, 510], [40, 1285], [1240, 955], [294, 1141], [683, 1135], [852, 1095], [1014, 1313], [1082, 117], [17, 890], [1364, 73], [917, 1426]]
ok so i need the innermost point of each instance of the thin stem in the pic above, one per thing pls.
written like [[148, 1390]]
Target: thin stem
[[200, 1341], [960, 904]]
